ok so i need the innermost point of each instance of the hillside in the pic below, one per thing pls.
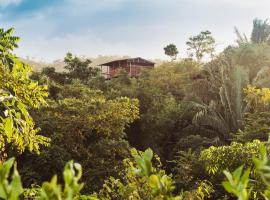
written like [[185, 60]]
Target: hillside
[[59, 64]]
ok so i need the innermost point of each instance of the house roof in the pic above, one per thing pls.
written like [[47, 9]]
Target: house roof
[[129, 60]]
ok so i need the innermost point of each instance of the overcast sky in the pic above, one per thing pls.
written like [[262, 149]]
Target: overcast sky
[[50, 28]]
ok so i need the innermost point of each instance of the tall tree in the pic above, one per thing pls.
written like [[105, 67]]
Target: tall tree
[[171, 50], [86, 127], [260, 33], [201, 44], [79, 69], [222, 82], [241, 38], [17, 93]]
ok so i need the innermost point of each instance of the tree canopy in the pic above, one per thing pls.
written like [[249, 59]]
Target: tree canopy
[[196, 128], [18, 93], [171, 50], [201, 45]]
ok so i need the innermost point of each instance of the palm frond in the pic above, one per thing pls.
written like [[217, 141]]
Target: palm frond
[[241, 38], [208, 117], [262, 78], [261, 31]]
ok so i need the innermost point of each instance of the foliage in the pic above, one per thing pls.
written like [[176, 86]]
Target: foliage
[[162, 113], [86, 127], [241, 38], [140, 180], [262, 166], [260, 33], [237, 183], [217, 159], [200, 118], [17, 93], [49, 73], [188, 170], [31, 192], [257, 99], [256, 125], [192, 169], [201, 44], [8, 42], [79, 69], [10, 181], [218, 88], [203, 190], [72, 175], [11, 186], [240, 184], [171, 50]]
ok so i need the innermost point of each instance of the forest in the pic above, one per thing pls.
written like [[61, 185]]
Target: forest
[[192, 128]]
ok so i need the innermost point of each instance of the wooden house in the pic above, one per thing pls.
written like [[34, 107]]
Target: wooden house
[[132, 65]]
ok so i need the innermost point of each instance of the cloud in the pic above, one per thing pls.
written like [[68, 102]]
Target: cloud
[[242, 3], [50, 28], [89, 43], [5, 3]]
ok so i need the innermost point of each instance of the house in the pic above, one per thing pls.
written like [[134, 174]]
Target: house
[[132, 65]]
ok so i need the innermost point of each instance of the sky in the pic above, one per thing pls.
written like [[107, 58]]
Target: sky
[[51, 28]]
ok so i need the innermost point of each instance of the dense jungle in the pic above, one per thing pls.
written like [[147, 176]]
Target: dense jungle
[[193, 128]]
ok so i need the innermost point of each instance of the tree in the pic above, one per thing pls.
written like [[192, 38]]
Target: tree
[[260, 33], [241, 38], [50, 73], [201, 44], [86, 127], [18, 93], [79, 69], [140, 179], [256, 121], [171, 50], [218, 90], [209, 164], [160, 92]]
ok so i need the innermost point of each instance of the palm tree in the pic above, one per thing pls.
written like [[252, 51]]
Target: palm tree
[[226, 77], [260, 33], [241, 38]]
